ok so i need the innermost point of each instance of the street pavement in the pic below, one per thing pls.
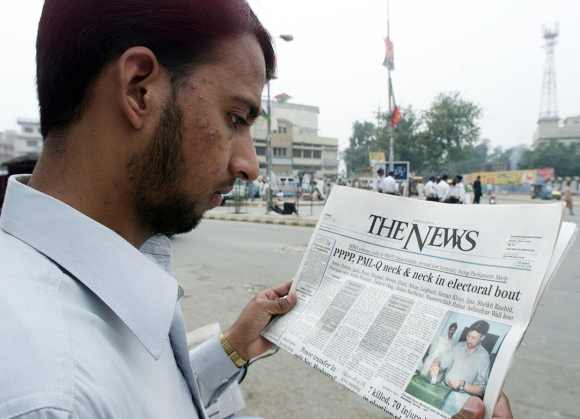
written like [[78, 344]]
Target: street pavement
[[222, 264]]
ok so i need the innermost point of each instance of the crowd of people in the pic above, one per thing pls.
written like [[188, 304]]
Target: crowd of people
[[450, 192], [437, 189]]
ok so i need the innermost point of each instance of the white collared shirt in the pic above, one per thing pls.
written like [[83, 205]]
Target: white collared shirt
[[442, 188], [390, 185], [91, 327]]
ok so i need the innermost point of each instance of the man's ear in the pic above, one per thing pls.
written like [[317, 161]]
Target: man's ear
[[141, 85]]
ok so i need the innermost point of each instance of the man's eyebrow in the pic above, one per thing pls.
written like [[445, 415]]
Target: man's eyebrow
[[253, 108]]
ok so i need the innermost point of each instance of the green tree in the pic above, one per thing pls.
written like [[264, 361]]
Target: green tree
[[356, 156], [409, 139], [474, 158], [452, 128], [564, 158]]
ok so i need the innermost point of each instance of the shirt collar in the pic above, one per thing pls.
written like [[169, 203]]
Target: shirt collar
[[141, 293]]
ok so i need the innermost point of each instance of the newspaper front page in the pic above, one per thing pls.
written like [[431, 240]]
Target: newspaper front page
[[416, 305]]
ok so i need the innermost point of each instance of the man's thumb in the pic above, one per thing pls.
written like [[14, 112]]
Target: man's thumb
[[281, 305], [472, 409]]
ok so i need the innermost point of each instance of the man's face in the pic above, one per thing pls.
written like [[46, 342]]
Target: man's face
[[473, 339], [202, 142]]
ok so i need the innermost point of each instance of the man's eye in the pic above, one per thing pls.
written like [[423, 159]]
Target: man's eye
[[237, 121]]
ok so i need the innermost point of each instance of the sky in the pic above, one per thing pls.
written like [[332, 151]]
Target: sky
[[489, 51]]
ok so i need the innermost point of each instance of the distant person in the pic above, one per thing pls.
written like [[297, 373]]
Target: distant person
[[390, 184], [379, 184], [466, 368], [462, 195], [477, 193], [568, 199], [431, 190], [420, 189], [442, 188], [455, 193]]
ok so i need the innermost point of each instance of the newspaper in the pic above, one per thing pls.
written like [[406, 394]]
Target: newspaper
[[417, 305]]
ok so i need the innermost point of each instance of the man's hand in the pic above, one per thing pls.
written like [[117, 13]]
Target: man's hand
[[455, 384], [244, 334], [473, 409]]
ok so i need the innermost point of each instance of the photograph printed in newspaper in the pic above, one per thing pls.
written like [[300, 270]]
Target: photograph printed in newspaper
[[415, 305]]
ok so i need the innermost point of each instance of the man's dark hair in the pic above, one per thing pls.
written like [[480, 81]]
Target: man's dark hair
[[77, 39], [480, 326], [391, 173], [444, 177], [381, 171]]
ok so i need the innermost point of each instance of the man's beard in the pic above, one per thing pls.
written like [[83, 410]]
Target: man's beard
[[156, 175]]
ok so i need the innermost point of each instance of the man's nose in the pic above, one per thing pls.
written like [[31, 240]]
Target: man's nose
[[244, 162]]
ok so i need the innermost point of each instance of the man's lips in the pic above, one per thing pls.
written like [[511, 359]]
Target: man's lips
[[217, 197]]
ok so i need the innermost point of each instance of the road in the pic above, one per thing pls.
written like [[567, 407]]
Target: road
[[222, 264]]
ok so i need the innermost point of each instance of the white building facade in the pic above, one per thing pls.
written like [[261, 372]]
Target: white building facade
[[550, 129], [26, 140], [297, 149]]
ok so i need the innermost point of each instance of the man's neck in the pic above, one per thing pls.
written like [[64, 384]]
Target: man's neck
[[90, 189]]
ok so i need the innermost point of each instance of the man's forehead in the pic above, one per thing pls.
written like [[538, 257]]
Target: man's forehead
[[239, 67]]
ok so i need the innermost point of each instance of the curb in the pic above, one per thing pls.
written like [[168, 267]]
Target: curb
[[296, 222]]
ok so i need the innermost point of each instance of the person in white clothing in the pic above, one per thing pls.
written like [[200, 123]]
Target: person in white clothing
[[391, 186], [431, 190], [462, 194], [442, 188], [455, 193], [438, 350]]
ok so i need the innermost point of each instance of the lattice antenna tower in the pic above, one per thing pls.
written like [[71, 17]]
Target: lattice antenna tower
[[549, 103]]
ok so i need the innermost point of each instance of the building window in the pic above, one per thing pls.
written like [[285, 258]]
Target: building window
[[316, 154], [28, 130], [279, 152], [307, 154], [260, 150], [31, 143], [296, 153]]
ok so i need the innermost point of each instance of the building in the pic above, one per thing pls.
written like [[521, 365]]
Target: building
[[297, 148], [26, 140], [550, 129]]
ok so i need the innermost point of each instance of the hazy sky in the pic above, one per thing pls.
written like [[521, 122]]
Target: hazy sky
[[490, 51]]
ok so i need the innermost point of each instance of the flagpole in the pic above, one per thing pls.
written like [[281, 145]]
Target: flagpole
[[389, 121]]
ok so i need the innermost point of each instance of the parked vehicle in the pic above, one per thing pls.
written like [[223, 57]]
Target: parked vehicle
[[545, 191]]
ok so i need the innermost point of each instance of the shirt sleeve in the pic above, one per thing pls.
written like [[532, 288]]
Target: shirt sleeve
[[44, 413], [214, 370], [482, 371]]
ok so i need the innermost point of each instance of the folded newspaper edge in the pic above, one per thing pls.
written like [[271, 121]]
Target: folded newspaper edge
[[414, 305]]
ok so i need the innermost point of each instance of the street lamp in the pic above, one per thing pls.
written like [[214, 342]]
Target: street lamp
[[269, 204]]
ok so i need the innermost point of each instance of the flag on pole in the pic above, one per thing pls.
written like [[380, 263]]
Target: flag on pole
[[395, 117], [389, 60]]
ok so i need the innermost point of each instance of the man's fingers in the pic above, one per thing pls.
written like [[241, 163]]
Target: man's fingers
[[280, 305], [283, 289], [502, 409], [472, 409]]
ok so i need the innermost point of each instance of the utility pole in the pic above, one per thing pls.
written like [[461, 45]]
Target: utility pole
[[269, 200], [390, 67], [269, 153]]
